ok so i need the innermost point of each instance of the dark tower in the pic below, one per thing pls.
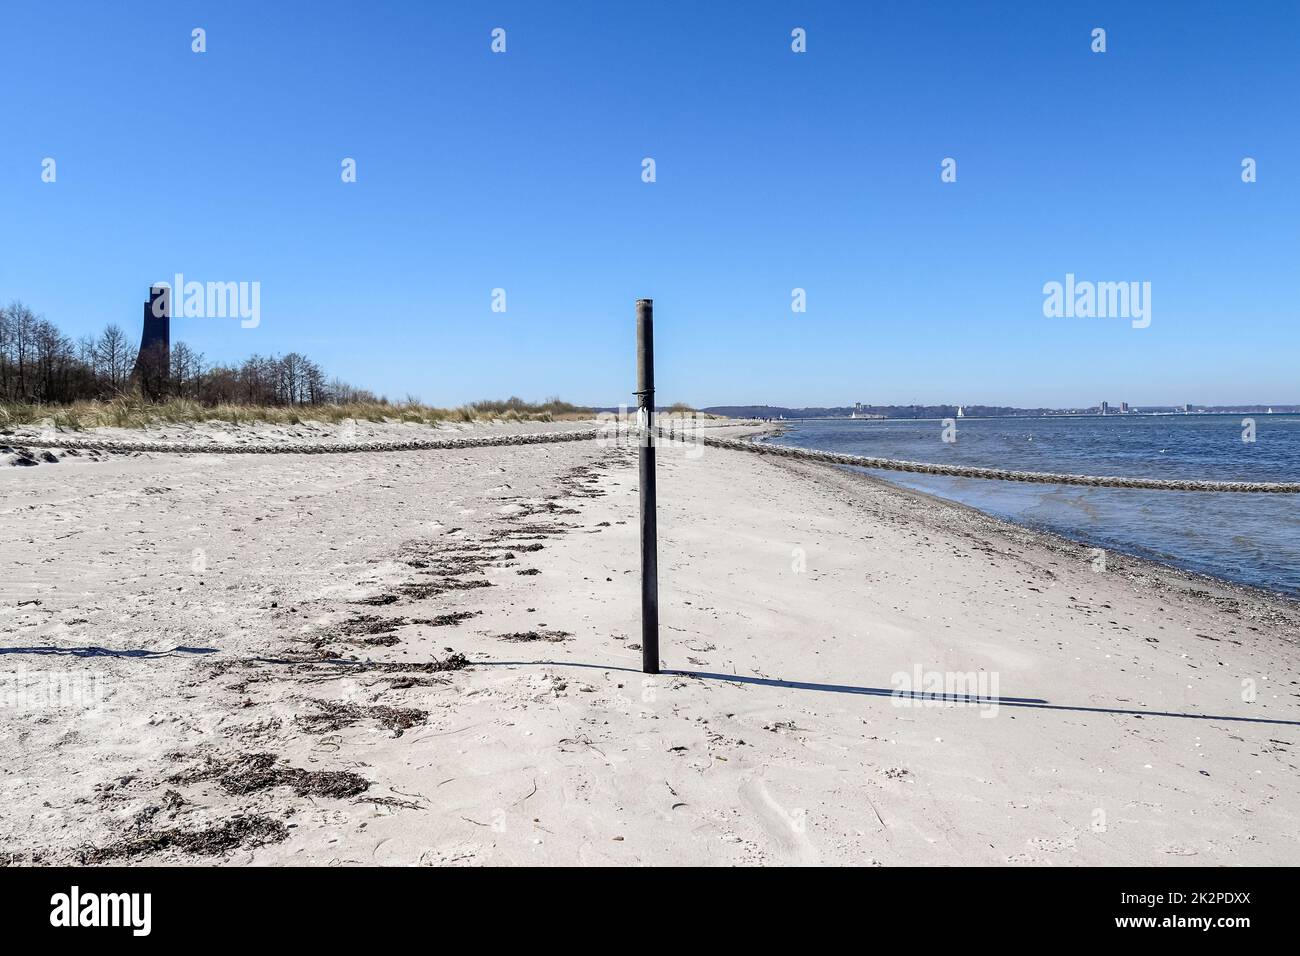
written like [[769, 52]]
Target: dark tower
[[153, 362]]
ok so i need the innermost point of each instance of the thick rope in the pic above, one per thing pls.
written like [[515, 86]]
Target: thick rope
[[287, 448], [998, 474], [616, 435], [320, 448]]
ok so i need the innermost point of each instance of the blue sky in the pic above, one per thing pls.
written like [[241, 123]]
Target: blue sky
[[775, 170]]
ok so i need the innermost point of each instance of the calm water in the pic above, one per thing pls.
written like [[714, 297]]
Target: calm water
[[1253, 539]]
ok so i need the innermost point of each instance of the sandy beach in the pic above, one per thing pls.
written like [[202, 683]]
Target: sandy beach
[[432, 658]]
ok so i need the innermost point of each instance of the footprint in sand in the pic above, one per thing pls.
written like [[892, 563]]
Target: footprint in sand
[[786, 828]]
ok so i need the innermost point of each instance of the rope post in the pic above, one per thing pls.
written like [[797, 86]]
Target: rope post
[[645, 392]]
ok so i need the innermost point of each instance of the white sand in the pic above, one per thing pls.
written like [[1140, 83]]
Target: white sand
[[563, 752]]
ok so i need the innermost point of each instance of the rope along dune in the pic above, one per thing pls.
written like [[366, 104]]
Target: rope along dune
[[320, 448], [614, 435]]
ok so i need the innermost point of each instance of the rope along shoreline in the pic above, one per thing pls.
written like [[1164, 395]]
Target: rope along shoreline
[[616, 436], [997, 474]]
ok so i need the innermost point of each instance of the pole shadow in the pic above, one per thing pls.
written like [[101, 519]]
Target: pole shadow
[[1030, 703], [105, 651]]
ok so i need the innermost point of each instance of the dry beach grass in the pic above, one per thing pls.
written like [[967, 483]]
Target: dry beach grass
[[133, 412]]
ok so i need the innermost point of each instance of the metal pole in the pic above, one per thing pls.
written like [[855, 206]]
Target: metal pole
[[645, 391]]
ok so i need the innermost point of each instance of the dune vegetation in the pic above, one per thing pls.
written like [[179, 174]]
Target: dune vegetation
[[132, 411]]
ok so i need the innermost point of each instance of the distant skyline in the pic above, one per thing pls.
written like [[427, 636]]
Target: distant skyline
[[977, 410], [775, 171]]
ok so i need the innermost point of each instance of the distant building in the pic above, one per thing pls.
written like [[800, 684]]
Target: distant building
[[155, 336], [1105, 408], [153, 361], [1123, 408], [1187, 409]]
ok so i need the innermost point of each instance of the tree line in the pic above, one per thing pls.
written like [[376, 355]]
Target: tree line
[[41, 365]]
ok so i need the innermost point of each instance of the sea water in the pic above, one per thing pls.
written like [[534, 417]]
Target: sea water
[[1248, 538]]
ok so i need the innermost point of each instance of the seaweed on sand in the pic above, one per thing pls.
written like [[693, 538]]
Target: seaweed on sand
[[245, 831], [250, 773], [334, 716], [262, 771], [520, 637]]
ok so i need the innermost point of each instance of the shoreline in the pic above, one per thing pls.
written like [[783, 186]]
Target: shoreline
[[1134, 564], [1259, 592], [1150, 567], [431, 658]]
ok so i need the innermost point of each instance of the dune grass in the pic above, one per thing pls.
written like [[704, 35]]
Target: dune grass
[[130, 412], [553, 406]]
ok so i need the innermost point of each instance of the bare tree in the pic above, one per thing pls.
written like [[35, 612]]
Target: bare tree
[[186, 371], [6, 346], [38, 363], [23, 339], [151, 371], [114, 357]]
